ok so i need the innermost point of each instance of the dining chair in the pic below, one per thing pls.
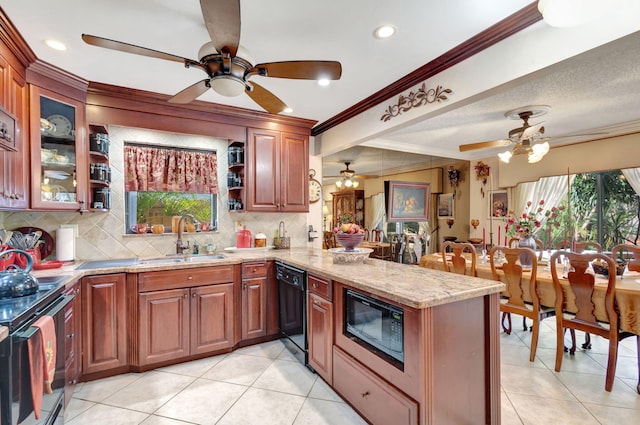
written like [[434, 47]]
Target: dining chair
[[518, 284], [630, 253], [580, 247], [457, 262], [580, 287]]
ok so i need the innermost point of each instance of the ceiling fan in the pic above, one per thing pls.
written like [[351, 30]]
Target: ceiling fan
[[227, 63], [526, 139], [347, 177]]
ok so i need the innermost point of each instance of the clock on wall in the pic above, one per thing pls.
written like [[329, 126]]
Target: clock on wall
[[315, 188]]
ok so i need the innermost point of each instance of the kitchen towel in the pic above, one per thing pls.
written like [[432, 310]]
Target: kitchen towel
[[48, 334], [65, 244], [31, 383]]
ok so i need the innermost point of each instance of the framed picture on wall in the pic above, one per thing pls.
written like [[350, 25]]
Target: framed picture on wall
[[498, 203], [407, 201], [445, 205]]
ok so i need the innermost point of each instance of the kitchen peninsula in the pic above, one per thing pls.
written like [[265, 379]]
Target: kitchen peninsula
[[450, 370]]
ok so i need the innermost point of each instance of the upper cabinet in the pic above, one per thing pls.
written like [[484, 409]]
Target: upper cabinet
[[58, 152], [14, 118], [277, 165]]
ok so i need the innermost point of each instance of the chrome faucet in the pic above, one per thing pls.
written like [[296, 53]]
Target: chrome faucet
[[179, 247]]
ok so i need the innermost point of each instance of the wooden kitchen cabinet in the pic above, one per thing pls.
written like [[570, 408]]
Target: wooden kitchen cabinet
[[72, 326], [277, 171], [254, 300], [104, 323], [14, 155], [59, 161], [320, 326], [183, 313]]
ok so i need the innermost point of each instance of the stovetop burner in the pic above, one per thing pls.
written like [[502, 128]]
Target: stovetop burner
[[14, 311]]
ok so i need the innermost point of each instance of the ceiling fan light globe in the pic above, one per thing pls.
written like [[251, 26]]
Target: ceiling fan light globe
[[540, 148], [227, 85], [348, 183], [338, 184], [356, 184], [505, 156]]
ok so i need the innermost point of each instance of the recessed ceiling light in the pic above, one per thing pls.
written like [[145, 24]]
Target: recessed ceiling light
[[287, 110], [323, 82], [55, 44], [384, 31]]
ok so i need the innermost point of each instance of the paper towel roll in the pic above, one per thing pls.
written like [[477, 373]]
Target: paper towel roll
[[65, 244]]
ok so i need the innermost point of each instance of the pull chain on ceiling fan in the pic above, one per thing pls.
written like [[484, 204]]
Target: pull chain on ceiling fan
[[227, 64]]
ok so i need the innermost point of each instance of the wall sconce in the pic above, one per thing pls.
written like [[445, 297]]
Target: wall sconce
[[450, 222]]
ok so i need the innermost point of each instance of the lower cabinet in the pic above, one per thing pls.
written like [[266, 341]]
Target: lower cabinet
[[182, 313], [320, 326], [72, 326], [259, 300], [371, 395], [104, 321]]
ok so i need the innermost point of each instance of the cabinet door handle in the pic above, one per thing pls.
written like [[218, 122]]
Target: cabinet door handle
[[193, 295], [364, 394], [71, 335], [244, 286], [315, 285], [186, 295], [73, 382], [189, 277]]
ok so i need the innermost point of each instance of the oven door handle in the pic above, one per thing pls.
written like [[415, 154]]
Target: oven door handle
[[31, 331]]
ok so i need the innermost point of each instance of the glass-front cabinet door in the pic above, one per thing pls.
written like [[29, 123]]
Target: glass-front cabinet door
[[58, 152]]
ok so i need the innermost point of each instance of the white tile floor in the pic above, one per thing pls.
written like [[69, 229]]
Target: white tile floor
[[264, 385]]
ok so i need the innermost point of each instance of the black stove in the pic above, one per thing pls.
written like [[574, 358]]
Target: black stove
[[15, 311]]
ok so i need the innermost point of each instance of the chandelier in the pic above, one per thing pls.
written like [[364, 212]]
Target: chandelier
[[347, 180]]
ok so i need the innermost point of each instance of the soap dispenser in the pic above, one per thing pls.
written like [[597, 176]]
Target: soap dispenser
[[196, 248]]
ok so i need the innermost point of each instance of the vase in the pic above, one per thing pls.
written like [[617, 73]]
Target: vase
[[349, 240], [527, 242]]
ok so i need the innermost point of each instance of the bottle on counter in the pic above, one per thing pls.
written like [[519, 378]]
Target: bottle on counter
[[196, 247]]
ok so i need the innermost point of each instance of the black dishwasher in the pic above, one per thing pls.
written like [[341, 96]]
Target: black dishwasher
[[292, 307]]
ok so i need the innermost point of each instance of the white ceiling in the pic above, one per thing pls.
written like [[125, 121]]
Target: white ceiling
[[595, 90]]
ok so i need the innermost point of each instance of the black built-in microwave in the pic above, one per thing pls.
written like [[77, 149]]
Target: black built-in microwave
[[375, 324]]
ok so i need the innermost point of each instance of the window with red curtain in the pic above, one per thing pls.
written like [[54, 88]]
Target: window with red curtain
[[159, 169]]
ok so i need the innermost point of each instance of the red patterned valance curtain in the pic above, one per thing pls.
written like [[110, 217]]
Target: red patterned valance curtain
[[152, 169]]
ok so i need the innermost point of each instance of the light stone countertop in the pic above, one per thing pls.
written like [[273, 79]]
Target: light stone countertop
[[409, 285]]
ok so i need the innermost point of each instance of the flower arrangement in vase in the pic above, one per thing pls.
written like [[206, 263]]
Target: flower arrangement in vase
[[527, 223], [348, 234]]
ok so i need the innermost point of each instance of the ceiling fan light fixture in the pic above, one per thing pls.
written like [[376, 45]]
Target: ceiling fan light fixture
[[570, 13], [227, 85], [505, 156], [538, 151]]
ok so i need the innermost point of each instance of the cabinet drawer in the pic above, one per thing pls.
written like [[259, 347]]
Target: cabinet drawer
[[321, 286], [184, 278], [251, 270], [377, 400]]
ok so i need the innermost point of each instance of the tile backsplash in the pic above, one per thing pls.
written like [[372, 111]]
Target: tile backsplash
[[102, 235]]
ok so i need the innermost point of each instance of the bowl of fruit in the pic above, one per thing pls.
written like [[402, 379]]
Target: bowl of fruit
[[348, 234]]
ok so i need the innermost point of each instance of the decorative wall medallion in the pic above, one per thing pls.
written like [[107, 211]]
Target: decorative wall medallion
[[421, 97]]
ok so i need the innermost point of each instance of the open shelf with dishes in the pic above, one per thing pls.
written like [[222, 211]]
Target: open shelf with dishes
[[99, 169], [236, 176]]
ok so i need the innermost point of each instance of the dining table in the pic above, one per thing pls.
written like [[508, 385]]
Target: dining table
[[627, 289]]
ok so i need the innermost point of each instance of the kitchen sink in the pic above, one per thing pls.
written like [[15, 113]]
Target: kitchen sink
[[105, 264], [181, 259]]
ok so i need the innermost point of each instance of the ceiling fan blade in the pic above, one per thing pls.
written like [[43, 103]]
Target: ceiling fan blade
[[302, 70], [192, 92], [483, 145], [265, 99], [136, 50], [530, 132], [222, 19]]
